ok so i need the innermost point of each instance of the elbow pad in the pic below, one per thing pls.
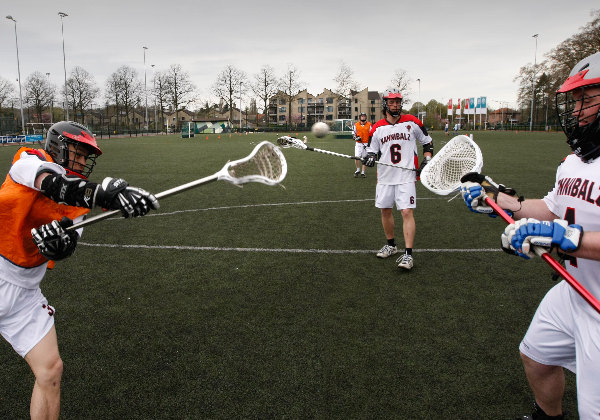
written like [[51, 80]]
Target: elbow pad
[[428, 147], [69, 190]]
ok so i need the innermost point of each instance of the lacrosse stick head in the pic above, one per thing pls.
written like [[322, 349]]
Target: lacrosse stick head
[[287, 141], [266, 164], [458, 157]]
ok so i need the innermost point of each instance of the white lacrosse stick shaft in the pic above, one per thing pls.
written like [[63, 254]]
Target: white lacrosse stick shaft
[[287, 141]]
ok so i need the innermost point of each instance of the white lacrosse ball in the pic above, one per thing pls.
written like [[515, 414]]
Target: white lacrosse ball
[[320, 129]]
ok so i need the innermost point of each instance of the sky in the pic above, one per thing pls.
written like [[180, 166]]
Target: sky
[[457, 49]]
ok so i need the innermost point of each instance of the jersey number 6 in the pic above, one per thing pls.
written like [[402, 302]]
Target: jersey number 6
[[395, 155]]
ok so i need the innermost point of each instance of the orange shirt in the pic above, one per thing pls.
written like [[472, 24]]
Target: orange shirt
[[22, 209], [362, 131]]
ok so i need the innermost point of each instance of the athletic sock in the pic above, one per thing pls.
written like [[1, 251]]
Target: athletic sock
[[391, 242], [408, 251]]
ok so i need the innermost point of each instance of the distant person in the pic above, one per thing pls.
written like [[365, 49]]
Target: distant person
[[44, 192], [395, 138], [446, 128], [360, 133], [565, 330]]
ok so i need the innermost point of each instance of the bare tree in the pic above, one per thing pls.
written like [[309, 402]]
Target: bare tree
[[402, 82], [7, 90], [230, 81], [82, 90], [344, 81], [265, 86], [125, 88], [160, 93], [38, 93], [180, 89], [290, 85]]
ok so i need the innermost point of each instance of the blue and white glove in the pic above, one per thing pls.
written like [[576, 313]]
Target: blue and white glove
[[520, 238], [474, 196]]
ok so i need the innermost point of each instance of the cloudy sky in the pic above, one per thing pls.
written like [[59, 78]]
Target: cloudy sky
[[456, 48]]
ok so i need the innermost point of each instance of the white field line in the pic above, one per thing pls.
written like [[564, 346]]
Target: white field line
[[284, 250], [244, 206], [287, 250]]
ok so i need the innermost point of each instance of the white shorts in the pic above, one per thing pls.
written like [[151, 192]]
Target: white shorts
[[403, 195], [25, 316], [563, 334], [360, 150]]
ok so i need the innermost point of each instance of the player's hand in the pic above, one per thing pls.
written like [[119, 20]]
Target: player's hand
[[424, 163], [370, 160], [116, 194], [474, 196], [53, 241], [520, 237]]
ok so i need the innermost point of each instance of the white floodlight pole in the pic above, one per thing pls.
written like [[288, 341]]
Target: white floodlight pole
[[533, 84], [145, 89], [240, 106], [154, 87], [62, 15], [19, 74]]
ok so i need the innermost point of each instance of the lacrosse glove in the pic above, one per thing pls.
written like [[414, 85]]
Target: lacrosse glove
[[370, 160], [520, 238], [475, 187], [424, 163], [53, 241], [116, 194]]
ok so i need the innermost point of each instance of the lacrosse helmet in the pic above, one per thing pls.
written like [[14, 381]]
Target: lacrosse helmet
[[63, 133], [389, 94], [362, 114], [578, 108]]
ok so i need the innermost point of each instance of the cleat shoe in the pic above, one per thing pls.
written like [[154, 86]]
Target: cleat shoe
[[386, 251], [405, 261], [539, 414], [363, 175], [356, 174]]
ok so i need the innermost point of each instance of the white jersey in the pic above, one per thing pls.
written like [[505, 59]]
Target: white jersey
[[576, 198], [397, 144]]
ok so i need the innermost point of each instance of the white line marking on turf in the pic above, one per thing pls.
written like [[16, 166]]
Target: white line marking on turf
[[288, 250], [244, 206]]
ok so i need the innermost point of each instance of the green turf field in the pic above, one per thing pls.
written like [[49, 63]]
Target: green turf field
[[263, 302]]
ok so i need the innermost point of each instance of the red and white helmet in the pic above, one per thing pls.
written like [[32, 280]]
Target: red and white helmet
[[389, 94], [583, 135], [63, 133]]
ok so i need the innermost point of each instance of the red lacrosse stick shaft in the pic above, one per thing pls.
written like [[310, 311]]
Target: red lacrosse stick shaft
[[591, 299]]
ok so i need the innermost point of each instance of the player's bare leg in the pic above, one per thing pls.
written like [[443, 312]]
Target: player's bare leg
[[409, 227], [387, 221], [547, 384], [47, 366]]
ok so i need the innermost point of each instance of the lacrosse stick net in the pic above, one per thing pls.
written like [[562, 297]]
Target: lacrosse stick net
[[458, 157], [266, 164]]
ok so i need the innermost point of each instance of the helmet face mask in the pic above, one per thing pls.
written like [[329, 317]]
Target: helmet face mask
[[392, 93], [578, 108], [73, 147]]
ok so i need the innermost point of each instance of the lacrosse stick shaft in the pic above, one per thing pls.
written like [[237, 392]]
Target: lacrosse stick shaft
[[556, 266], [328, 152], [160, 195]]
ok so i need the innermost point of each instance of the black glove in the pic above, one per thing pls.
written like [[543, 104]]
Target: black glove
[[116, 194], [370, 160], [53, 241], [424, 163]]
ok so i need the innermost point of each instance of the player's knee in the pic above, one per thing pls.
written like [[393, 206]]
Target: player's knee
[[407, 213], [51, 374]]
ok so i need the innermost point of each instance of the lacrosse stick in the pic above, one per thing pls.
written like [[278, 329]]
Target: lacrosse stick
[[458, 157], [265, 164], [462, 155], [287, 141]]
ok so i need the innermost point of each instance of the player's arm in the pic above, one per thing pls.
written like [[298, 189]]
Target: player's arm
[[112, 193]]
